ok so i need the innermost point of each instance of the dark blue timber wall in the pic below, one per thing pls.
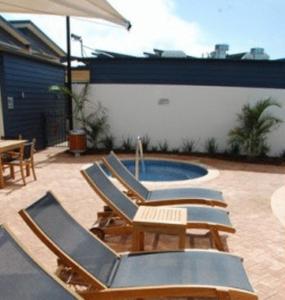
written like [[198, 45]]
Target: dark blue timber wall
[[208, 72], [27, 81]]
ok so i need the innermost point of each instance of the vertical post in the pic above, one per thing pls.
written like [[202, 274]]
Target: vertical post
[[137, 166], [82, 50], [69, 80]]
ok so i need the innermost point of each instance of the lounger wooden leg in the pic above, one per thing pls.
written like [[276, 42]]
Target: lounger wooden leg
[[209, 236], [138, 240], [217, 240], [155, 240], [192, 241], [135, 240], [141, 241], [182, 239]]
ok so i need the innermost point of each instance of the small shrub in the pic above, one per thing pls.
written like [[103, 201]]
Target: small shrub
[[175, 150], [155, 149], [127, 144], [145, 142], [234, 149], [189, 146], [96, 125], [282, 154], [108, 142], [163, 146], [254, 125], [264, 150], [211, 146]]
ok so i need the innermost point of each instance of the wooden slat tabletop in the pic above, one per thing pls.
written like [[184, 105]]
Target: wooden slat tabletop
[[6, 145]]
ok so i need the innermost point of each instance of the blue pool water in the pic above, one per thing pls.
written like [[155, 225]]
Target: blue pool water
[[166, 170]]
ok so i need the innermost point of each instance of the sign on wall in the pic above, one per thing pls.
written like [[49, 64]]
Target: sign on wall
[[10, 102]]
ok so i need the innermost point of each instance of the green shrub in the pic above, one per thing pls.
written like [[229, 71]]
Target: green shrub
[[128, 144], [175, 150], [154, 149], [255, 123], [145, 142], [234, 149], [108, 142], [189, 146], [282, 154], [163, 146], [211, 146]]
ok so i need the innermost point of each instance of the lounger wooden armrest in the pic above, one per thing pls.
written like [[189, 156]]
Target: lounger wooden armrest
[[208, 218], [161, 197], [109, 275]]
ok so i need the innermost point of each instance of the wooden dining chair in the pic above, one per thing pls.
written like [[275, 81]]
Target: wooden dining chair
[[23, 160]]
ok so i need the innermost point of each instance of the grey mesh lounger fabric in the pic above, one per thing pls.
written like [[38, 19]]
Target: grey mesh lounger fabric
[[21, 278], [121, 203], [209, 271], [155, 197]]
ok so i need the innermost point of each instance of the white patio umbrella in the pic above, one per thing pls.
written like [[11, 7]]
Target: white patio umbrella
[[99, 9], [81, 8]]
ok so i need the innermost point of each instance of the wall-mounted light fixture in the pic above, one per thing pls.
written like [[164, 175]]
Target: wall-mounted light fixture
[[163, 101], [78, 38]]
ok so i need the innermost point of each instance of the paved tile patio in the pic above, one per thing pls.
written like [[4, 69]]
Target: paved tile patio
[[248, 188]]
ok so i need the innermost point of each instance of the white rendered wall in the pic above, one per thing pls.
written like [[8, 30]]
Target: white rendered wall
[[193, 112]]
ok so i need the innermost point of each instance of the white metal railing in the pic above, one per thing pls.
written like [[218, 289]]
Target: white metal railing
[[139, 157]]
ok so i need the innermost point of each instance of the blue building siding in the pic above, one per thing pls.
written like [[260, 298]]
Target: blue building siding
[[27, 81], [9, 39], [209, 72], [36, 43]]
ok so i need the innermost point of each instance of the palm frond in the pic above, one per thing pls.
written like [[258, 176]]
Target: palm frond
[[255, 123]]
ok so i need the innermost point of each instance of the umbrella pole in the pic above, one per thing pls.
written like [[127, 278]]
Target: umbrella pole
[[69, 80]]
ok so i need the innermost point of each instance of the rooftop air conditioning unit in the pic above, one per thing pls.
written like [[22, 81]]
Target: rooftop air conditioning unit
[[174, 53], [256, 54], [220, 51]]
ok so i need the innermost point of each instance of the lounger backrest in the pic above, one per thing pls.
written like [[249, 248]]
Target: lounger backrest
[[126, 176], [109, 192], [22, 278], [72, 238]]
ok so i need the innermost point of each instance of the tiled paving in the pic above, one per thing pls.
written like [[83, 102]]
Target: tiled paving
[[260, 237]]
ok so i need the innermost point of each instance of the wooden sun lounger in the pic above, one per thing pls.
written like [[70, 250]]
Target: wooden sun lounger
[[21, 278], [163, 196], [109, 275], [171, 219]]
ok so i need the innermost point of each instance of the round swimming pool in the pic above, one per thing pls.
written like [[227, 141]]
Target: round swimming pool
[[166, 170]]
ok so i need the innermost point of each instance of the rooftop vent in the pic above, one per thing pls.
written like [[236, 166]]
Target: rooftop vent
[[220, 51], [173, 53], [256, 53]]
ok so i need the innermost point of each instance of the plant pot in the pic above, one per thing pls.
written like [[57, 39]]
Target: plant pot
[[77, 141]]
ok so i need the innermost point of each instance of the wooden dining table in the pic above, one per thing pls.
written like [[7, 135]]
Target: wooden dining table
[[6, 146]]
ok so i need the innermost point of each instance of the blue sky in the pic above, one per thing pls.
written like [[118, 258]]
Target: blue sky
[[240, 23], [194, 26]]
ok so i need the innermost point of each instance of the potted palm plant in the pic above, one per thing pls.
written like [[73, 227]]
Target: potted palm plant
[[89, 127]]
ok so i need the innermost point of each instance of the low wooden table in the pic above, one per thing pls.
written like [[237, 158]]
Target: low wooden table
[[159, 220], [9, 145]]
